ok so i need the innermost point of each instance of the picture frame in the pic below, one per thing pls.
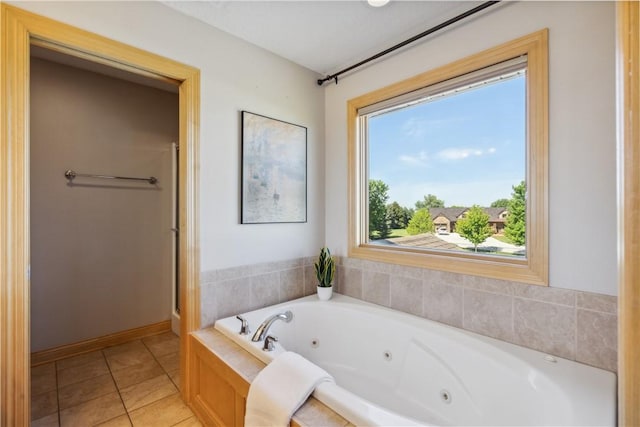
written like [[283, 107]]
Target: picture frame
[[274, 171]]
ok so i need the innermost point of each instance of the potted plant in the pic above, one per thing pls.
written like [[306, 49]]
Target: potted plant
[[325, 268]]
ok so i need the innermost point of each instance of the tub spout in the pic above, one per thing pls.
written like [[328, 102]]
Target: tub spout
[[263, 329]]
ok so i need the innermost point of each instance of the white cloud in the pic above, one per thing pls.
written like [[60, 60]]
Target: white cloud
[[463, 153], [414, 127], [417, 126], [419, 159]]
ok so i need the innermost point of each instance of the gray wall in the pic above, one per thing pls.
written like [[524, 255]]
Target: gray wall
[[101, 251]]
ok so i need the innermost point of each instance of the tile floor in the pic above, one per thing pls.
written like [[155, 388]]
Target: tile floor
[[132, 384]]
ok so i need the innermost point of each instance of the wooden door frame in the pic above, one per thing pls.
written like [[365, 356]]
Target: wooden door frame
[[19, 29], [628, 114]]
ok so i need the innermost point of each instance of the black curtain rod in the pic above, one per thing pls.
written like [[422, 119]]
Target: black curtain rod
[[411, 40]]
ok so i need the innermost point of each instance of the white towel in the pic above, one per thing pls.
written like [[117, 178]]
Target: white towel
[[280, 389]]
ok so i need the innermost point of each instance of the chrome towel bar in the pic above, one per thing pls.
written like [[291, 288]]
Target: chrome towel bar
[[70, 175]]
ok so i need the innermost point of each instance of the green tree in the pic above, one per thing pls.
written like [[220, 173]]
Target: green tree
[[500, 203], [420, 222], [407, 214], [474, 226], [515, 225], [429, 201], [378, 196], [395, 216]]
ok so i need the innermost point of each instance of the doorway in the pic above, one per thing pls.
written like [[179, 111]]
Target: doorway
[[20, 31], [101, 231]]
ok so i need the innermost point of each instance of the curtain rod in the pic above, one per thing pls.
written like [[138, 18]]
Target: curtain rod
[[411, 40]]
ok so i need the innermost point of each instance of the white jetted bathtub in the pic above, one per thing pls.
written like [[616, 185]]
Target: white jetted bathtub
[[395, 369]]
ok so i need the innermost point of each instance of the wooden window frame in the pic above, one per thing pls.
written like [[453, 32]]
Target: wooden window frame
[[535, 268]]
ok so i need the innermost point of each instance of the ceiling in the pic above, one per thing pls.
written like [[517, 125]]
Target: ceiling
[[324, 36]]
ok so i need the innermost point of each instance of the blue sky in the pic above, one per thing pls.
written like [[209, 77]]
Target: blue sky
[[466, 149]]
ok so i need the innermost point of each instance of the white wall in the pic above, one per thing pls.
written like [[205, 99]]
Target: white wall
[[582, 214], [101, 250], [235, 76]]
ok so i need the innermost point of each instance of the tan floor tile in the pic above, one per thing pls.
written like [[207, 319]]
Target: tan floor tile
[[136, 374], [146, 392], [169, 362], [44, 404], [121, 421], [92, 412], [76, 393], [124, 359], [83, 359], [124, 348], [190, 422], [48, 421], [162, 344], [165, 412], [83, 372], [175, 377], [43, 378]]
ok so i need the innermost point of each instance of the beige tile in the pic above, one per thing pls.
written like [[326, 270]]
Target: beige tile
[[350, 281], [128, 347], [376, 287], [549, 328], [48, 421], [443, 278], [406, 295], [136, 374], [443, 303], [175, 377], [597, 339], [598, 302], [490, 285], [546, 294], [189, 422], [208, 310], [291, 284], [232, 296], [43, 378], [170, 362], [405, 271], [162, 344], [310, 280], [83, 372], [44, 404], [351, 262], [121, 421], [265, 290], [488, 314], [314, 413], [146, 392], [124, 359], [93, 411], [79, 392], [83, 359], [167, 411]]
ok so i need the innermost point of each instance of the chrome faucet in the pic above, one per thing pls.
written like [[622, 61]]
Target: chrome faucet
[[263, 329]]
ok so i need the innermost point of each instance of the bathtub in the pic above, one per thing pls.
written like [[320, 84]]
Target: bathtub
[[395, 369]]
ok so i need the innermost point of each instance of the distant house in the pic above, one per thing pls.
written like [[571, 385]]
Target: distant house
[[447, 217]]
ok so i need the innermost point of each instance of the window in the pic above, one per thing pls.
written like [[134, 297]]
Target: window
[[448, 170]]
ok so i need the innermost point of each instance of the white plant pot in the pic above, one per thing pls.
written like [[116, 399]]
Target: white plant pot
[[324, 294]]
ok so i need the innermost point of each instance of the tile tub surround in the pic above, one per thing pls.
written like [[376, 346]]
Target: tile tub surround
[[240, 289], [575, 325]]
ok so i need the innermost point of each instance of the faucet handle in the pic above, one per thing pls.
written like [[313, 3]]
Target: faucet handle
[[244, 328], [268, 343]]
